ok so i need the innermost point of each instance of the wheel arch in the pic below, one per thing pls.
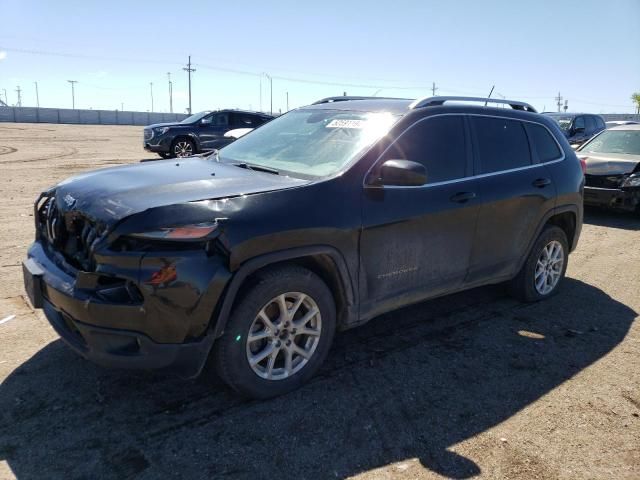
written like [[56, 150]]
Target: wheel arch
[[566, 217], [323, 260]]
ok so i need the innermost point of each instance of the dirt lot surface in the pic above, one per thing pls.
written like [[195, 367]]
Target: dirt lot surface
[[471, 385]]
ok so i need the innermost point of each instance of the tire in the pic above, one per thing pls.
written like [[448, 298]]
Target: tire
[[165, 155], [273, 375], [183, 147], [536, 282]]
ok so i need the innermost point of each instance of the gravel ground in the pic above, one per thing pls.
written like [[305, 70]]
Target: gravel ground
[[475, 384]]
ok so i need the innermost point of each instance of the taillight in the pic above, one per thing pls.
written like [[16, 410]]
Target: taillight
[[583, 164]]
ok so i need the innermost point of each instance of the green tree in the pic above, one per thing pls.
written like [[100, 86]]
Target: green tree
[[636, 99]]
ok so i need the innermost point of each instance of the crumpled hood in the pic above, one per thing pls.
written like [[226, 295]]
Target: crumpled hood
[[609, 163], [111, 194]]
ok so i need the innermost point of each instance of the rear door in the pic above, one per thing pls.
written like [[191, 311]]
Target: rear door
[[416, 241], [212, 130], [516, 190]]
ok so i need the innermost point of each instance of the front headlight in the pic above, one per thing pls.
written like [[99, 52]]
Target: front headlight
[[632, 181], [194, 232], [161, 130]]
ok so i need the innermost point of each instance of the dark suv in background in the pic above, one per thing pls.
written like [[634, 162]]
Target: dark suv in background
[[199, 132], [318, 221], [578, 127]]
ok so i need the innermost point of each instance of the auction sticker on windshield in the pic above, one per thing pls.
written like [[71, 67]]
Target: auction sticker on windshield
[[338, 123]]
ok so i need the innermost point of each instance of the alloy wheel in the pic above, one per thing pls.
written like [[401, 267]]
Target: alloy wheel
[[549, 267], [183, 149], [284, 336]]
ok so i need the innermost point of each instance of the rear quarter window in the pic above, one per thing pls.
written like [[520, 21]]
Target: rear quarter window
[[502, 144], [544, 143]]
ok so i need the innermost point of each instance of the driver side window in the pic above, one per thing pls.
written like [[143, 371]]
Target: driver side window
[[578, 123], [438, 143]]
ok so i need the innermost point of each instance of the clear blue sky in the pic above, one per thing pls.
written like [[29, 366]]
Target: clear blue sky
[[588, 50]]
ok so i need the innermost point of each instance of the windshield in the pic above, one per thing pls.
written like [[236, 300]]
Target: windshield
[[195, 117], [564, 122], [313, 143], [615, 141]]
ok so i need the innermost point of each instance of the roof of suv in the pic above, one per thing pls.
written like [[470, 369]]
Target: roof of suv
[[405, 105]]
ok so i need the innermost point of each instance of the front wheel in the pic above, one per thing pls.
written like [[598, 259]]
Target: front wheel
[[165, 155], [183, 147], [542, 273], [278, 335]]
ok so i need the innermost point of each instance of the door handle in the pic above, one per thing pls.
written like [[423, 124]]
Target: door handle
[[462, 197], [541, 182]]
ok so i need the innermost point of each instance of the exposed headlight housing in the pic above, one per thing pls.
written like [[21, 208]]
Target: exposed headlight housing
[[194, 232], [161, 130], [632, 181]]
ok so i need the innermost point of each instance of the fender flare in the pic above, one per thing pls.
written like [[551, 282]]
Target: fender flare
[[252, 265], [554, 211]]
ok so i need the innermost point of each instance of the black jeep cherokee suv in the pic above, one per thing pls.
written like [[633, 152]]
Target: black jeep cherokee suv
[[318, 221], [201, 132]]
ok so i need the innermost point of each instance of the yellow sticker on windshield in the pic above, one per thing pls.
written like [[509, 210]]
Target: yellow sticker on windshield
[[345, 124]]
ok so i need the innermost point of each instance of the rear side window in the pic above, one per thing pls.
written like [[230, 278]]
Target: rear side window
[[502, 144], [544, 143], [438, 143]]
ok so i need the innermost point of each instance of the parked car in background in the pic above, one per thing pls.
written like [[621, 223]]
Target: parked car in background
[[578, 127], [200, 132], [322, 219], [617, 123], [613, 168]]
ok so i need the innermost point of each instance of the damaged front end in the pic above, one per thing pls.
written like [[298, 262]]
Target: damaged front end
[[615, 190], [134, 292]]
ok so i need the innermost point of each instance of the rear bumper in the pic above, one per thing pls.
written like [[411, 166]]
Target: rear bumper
[[612, 198]]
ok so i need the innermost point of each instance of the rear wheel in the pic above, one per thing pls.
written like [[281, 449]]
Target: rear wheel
[[183, 147], [278, 335], [542, 273]]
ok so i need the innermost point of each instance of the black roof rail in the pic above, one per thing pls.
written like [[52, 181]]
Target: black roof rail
[[347, 98], [435, 101]]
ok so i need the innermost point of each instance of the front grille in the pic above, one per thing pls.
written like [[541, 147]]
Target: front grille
[[604, 181], [148, 134], [70, 233]]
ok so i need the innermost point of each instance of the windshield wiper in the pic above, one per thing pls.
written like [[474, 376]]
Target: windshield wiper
[[257, 168]]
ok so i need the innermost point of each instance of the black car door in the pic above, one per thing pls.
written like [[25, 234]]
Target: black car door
[[578, 131], [516, 191], [416, 241], [212, 129]]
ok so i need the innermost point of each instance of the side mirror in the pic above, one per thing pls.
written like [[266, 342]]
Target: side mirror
[[402, 173]]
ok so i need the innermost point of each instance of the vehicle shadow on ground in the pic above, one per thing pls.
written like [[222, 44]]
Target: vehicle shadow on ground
[[612, 219], [411, 384]]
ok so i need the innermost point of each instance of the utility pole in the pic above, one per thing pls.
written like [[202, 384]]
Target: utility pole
[[260, 92], [170, 93], [271, 87], [18, 91], [188, 69], [73, 93], [433, 89], [6, 99], [559, 102], [287, 101], [151, 86], [37, 97], [566, 106], [122, 106]]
